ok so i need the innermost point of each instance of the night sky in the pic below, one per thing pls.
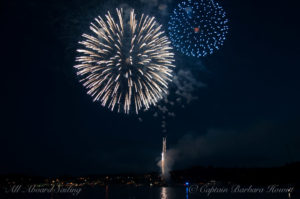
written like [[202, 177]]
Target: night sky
[[247, 115]]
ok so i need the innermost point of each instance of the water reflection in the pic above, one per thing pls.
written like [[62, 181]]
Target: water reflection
[[187, 193], [168, 193], [164, 194], [106, 192]]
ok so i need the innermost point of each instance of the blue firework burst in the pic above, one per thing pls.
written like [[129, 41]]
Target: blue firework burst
[[198, 27]]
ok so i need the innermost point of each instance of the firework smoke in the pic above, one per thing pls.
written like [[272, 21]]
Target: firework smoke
[[181, 93]]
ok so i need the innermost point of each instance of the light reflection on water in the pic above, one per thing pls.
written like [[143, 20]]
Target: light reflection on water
[[163, 194], [115, 192], [106, 192], [183, 193], [177, 192], [166, 193], [187, 193]]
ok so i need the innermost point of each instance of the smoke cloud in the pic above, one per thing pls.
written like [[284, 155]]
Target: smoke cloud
[[263, 145]]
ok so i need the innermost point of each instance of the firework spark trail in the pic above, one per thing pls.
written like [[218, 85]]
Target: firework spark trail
[[125, 64], [163, 157]]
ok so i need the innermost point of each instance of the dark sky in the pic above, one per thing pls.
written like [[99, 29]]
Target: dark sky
[[247, 115]]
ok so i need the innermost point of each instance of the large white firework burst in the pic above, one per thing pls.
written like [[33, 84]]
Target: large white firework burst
[[125, 64]]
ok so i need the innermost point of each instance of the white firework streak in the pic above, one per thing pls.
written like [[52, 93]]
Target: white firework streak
[[163, 157], [125, 64]]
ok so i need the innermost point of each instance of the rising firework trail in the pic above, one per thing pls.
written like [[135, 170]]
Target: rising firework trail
[[163, 156], [125, 63]]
